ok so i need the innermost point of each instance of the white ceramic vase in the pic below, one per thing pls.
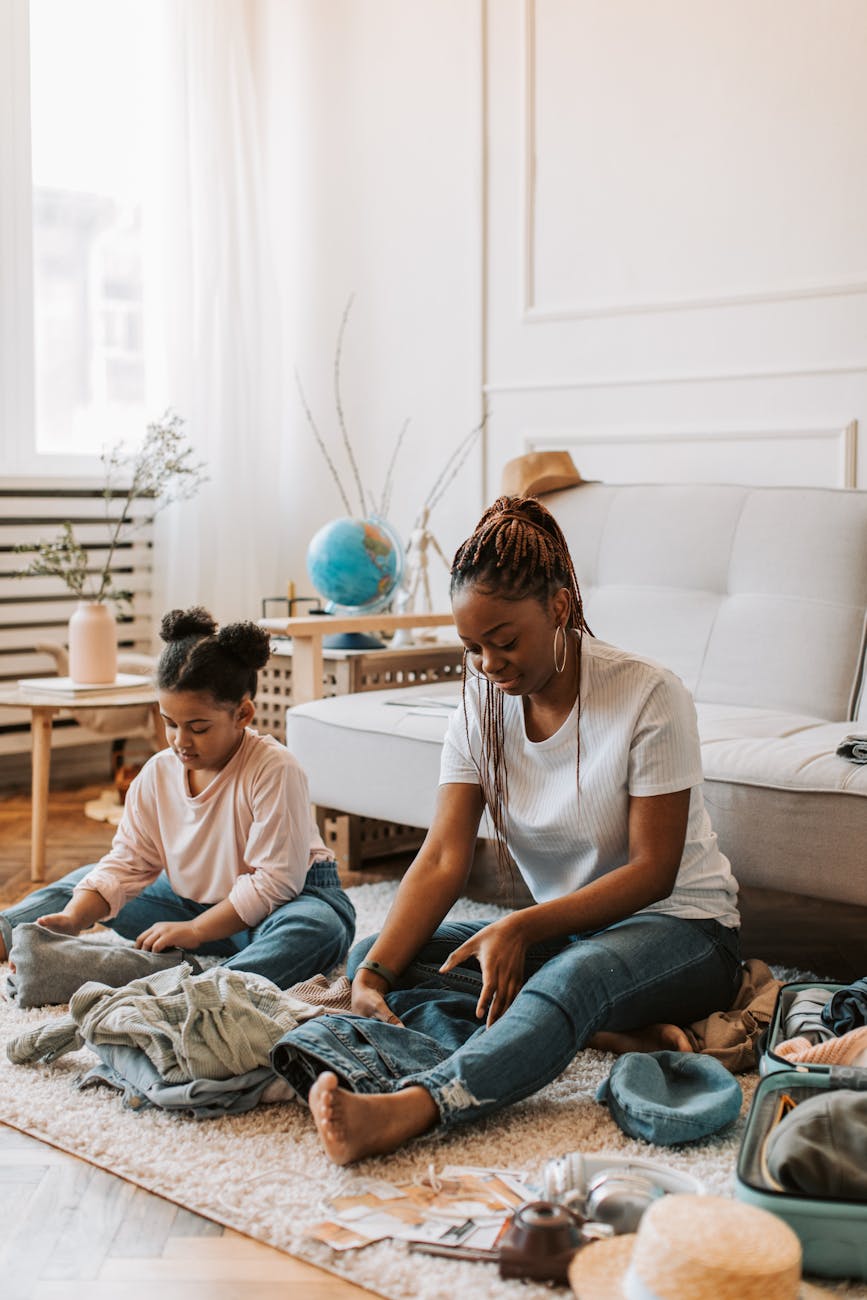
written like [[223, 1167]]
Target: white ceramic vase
[[92, 644]]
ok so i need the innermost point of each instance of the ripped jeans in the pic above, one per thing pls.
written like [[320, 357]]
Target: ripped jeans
[[647, 969]]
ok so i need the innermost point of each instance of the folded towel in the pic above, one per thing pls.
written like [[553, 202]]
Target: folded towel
[[854, 747]]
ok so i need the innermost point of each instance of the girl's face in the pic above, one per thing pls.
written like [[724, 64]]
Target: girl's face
[[510, 641], [203, 733]]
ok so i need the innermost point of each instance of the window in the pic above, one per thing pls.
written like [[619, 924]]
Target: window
[[81, 124]]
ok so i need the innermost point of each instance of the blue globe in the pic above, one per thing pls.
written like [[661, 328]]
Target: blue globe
[[356, 564]]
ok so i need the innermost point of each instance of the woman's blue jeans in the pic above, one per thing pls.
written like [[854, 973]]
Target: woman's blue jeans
[[312, 934], [650, 968]]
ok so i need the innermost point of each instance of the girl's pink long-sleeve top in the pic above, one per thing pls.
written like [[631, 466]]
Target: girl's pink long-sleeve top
[[250, 836]]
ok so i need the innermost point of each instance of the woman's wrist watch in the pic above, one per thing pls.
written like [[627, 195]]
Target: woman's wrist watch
[[377, 968]]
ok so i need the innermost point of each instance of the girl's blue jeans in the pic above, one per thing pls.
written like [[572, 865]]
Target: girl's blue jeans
[[650, 968], [312, 934]]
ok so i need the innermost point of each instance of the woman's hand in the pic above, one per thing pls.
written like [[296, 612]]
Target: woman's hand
[[368, 998], [169, 934], [500, 950]]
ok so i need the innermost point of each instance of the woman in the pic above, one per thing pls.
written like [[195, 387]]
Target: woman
[[587, 761]]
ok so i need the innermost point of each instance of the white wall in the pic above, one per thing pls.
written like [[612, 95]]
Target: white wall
[[677, 282], [633, 229], [372, 112]]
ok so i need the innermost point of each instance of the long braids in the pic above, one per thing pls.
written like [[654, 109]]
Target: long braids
[[517, 550]]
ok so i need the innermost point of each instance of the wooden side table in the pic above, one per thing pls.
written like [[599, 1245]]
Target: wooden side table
[[43, 706], [346, 672], [308, 634], [301, 669]]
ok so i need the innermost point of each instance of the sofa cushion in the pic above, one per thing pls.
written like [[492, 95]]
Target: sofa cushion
[[753, 596], [375, 753]]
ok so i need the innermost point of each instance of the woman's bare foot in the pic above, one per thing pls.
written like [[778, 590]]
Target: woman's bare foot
[[653, 1038], [3, 953], [352, 1125]]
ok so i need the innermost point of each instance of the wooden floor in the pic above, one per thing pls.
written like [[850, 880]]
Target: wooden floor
[[69, 1230]]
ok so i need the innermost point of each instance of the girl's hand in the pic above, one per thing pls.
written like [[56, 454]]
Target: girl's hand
[[62, 922], [169, 934], [500, 950], [368, 999]]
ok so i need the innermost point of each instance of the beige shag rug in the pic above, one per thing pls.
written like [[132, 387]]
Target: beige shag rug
[[263, 1173]]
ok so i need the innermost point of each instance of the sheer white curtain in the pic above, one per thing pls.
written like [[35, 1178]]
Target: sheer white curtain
[[220, 315]]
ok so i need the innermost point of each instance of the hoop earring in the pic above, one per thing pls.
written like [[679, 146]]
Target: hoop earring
[[558, 667]]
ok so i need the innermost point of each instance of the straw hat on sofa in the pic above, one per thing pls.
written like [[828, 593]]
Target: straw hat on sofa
[[537, 472], [690, 1246]]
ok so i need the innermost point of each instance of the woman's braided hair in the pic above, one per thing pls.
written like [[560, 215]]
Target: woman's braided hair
[[516, 552], [197, 657]]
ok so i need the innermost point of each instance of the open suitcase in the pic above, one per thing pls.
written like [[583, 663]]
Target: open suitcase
[[833, 1232]]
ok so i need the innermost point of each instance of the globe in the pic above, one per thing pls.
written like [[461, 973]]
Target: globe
[[357, 565]]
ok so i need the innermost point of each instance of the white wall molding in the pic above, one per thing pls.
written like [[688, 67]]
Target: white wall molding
[[534, 313], [698, 377], [833, 447]]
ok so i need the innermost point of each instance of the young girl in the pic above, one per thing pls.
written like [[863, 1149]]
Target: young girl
[[217, 851], [587, 761]]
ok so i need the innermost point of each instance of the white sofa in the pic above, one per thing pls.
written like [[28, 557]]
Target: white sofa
[[757, 598]]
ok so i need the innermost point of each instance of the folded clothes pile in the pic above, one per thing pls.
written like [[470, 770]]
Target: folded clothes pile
[[827, 1028], [198, 1043]]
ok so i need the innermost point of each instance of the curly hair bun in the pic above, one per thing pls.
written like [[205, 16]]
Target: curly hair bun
[[179, 624], [248, 642]]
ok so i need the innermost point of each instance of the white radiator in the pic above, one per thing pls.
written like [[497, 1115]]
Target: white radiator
[[36, 609]]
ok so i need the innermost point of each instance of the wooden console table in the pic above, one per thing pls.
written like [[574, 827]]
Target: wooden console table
[[308, 633], [302, 669], [43, 706]]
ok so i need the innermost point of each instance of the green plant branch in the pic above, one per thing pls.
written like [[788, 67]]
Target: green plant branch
[[161, 469]]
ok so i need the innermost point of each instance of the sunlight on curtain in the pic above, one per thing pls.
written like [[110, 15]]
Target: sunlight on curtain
[[220, 315]]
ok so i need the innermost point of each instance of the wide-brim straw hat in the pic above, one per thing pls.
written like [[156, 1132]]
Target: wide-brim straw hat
[[538, 472], [696, 1246]]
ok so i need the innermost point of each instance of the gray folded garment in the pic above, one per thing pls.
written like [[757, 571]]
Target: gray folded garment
[[854, 747], [50, 967], [804, 1016], [820, 1147]]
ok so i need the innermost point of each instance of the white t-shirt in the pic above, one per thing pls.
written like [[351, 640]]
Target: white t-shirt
[[250, 836], [638, 737]]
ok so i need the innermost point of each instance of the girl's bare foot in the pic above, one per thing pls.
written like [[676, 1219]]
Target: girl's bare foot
[[352, 1125], [653, 1038]]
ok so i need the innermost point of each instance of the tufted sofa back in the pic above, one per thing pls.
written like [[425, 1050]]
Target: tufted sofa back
[[755, 596]]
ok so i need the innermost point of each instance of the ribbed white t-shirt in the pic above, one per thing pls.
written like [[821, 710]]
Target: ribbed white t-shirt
[[250, 836], [639, 736]]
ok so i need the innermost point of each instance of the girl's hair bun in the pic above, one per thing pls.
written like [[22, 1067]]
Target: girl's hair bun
[[248, 642], [179, 624]]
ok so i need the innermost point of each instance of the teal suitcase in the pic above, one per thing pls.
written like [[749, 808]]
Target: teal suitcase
[[833, 1232]]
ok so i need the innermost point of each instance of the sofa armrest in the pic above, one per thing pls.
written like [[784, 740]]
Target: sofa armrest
[[307, 634]]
